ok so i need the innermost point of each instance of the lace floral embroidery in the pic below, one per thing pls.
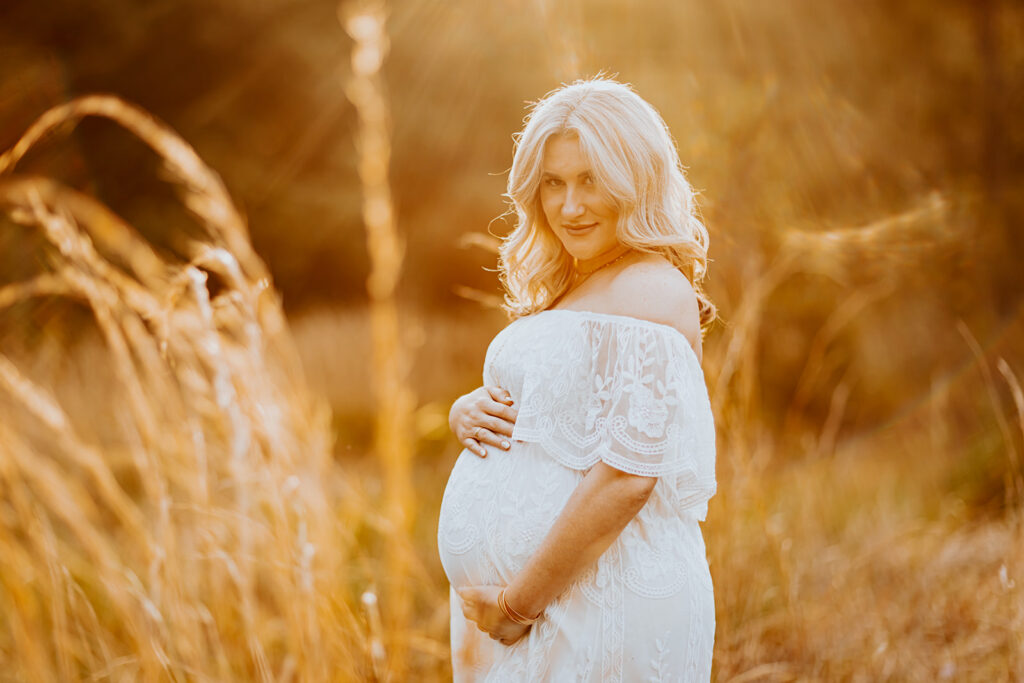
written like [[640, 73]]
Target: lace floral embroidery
[[599, 387]]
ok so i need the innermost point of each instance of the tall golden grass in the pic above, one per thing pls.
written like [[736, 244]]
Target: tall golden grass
[[393, 400], [207, 538]]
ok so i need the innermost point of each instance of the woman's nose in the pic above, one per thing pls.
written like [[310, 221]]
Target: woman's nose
[[573, 205]]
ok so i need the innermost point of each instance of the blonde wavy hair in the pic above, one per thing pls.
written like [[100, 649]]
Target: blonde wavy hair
[[635, 163]]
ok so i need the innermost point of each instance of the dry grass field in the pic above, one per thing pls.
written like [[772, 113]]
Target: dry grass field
[[860, 562]]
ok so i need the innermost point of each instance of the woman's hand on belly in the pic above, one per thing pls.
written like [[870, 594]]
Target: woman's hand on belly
[[483, 416], [480, 605]]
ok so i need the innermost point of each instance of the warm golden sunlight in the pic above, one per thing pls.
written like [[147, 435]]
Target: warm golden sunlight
[[249, 258]]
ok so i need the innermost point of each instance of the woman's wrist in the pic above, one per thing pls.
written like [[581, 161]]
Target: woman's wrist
[[520, 605], [510, 613]]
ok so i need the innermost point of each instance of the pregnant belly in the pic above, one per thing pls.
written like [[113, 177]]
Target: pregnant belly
[[497, 510]]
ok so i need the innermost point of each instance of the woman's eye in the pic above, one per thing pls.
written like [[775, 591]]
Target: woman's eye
[[588, 180], [552, 182]]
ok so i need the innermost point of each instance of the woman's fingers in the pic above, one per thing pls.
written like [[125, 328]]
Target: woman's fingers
[[500, 395], [497, 425], [469, 603], [507, 413], [484, 417], [474, 446], [496, 417], [485, 436], [501, 404]]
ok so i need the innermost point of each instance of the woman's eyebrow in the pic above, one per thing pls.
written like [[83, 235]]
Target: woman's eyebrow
[[552, 174]]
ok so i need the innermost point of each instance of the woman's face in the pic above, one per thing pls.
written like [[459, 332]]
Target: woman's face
[[580, 215]]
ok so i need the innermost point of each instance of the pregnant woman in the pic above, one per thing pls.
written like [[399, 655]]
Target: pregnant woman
[[569, 526]]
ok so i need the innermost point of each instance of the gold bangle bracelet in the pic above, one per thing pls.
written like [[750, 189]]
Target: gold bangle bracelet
[[513, 615]]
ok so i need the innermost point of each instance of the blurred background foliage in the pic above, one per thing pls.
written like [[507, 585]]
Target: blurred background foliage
[[794, 119]]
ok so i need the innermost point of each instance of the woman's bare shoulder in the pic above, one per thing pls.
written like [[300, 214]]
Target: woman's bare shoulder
[[653, 289]]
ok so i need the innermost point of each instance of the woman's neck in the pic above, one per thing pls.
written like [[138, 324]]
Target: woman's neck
[[598, 262]]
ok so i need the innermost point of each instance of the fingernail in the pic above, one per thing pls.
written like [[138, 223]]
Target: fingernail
[[482, 452], [506, 445]]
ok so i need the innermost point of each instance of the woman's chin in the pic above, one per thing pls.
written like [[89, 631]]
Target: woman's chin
[[582, 249], [588, 253]]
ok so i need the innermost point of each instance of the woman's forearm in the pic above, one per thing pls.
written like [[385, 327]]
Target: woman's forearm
[[596, 513]]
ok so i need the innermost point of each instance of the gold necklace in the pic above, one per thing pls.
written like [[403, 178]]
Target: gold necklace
[[584, 274], [580, 276]]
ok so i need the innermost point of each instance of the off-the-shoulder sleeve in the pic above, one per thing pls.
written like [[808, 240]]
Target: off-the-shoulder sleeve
[[631, 395], [649, 404]]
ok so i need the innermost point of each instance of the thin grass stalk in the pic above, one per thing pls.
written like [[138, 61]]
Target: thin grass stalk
[[1016, 472], [1014, 492], [365, 23]]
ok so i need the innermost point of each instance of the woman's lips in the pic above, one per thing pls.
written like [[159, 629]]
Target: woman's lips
[[577, 230]]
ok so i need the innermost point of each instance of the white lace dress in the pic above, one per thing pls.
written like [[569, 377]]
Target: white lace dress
[[590, 387]]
